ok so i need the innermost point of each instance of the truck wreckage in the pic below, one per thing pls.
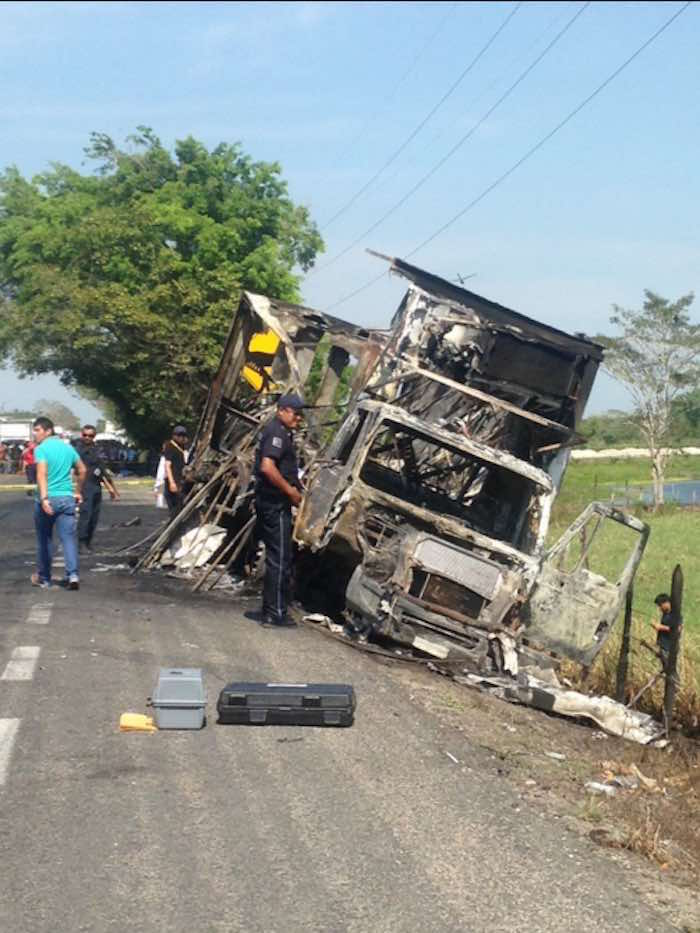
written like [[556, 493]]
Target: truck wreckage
[[427, 504]]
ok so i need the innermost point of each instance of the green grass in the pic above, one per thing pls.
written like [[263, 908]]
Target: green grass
[[674, 538]]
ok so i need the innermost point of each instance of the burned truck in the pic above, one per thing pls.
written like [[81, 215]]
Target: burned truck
[[426, 517], [426, 520]]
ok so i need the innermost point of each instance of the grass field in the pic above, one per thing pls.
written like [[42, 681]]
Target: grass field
[[675, 532]]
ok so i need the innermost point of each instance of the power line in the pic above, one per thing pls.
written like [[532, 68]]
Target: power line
[[458, 145], [416, 58], [553, 132], [530, 152], [553, 22], [425, 119]]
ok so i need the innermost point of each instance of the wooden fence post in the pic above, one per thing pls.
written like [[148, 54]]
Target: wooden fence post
[[624, 647], [672, 659]]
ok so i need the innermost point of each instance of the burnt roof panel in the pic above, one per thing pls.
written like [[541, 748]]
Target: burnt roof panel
[[499, 314]]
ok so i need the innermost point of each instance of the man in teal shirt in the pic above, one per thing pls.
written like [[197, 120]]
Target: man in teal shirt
[[55, 503]]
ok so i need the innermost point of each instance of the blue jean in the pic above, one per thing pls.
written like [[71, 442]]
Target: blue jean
[[64, 519]]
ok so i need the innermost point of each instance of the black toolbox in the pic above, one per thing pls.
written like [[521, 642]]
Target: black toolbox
[[286, 704]]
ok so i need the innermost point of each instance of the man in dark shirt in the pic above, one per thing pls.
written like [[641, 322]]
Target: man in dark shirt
[[277, 489], [96, 477], [174, 456], [665, 625]]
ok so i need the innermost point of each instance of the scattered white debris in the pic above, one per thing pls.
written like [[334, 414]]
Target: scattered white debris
[[107, 568], [595, 787], [628, 777], [320, 619], [197, 546], [624, 781], [509, 653], [605, 712]]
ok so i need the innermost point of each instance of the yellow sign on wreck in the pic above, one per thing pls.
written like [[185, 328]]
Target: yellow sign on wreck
[[257, 371]]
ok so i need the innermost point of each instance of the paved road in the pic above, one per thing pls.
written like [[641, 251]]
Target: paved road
[[373, 828]]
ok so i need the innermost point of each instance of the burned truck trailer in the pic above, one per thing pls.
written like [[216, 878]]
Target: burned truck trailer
[[427, 518], [272, 348]]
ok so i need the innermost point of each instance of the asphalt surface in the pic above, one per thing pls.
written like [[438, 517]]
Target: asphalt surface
[[372, 828]]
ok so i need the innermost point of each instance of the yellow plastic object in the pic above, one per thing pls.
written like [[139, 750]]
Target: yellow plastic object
[[261, 353], [136, 722]]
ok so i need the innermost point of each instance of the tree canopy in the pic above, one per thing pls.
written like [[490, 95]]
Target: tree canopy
[[59, 413], [125, 280], [657, 358]]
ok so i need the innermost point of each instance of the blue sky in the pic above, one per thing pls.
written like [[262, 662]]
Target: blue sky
[[604, 210]]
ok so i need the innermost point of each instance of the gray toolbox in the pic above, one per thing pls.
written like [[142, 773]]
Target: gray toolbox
[[178, 699]]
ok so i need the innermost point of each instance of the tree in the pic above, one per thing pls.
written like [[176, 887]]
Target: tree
[[104, 405], [686, 411], [610, 429], [59, 413], [125, 280], [657, 358]]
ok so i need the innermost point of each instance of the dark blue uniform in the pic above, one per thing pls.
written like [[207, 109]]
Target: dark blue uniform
[[274, 510], [92, 492]]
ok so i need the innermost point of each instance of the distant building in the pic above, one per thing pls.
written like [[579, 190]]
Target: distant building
[[15, 431]]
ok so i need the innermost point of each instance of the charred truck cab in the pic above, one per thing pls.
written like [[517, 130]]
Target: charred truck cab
[[439, 531], [427, 517]]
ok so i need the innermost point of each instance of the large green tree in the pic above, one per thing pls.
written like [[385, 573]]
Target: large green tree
[[124, 280], [656, 356]]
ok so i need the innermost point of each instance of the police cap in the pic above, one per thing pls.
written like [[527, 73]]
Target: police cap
[[291, 400]]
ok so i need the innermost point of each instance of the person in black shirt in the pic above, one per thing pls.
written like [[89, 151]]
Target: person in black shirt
[[174, 455], [665, 625], [97, 476], [277, 489]]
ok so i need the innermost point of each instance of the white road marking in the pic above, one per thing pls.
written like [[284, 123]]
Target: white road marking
[[22, 663], [8, 733], [40, 614]]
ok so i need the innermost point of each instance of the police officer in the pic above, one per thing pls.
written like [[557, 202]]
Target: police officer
[[277, 489], [97, 475]]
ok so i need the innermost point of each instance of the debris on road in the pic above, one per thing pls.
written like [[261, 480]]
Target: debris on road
[[628, 777], [195, 548], [108, 568], [318, 618], [595, 787], [607, 713], [131, 523]]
